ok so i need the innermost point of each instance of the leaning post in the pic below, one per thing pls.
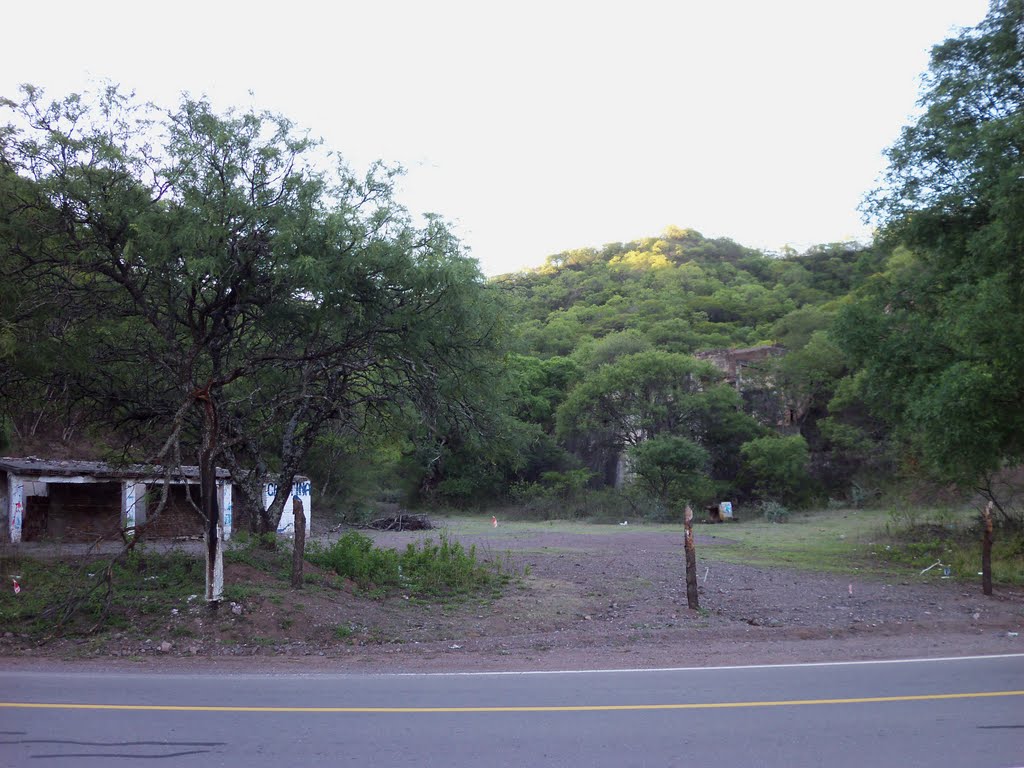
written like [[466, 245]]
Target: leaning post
[[299, 545], [691, 560], [986, 550]]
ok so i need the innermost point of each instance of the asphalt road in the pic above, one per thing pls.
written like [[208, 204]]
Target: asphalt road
[[946, 713]]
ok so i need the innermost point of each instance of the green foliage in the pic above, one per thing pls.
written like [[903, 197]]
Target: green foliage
[[354, 557], [919, 537], [228, 290], [779, 467], [681, 292], [444, 569], [938, 335], [259, 551], [774, 512], [794, 330], [144, 587], [672, 469], [564, 484], [621, 312], [653, 394]]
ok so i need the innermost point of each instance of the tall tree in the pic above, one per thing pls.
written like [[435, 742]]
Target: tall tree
[[938, 336], [251, 298]]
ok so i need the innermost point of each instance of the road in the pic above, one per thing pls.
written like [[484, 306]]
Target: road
[[948, 713]]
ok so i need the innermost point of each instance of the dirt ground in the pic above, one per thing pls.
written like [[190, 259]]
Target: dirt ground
[[579, 600]]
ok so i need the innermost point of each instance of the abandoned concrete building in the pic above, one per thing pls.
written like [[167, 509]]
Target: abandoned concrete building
[[734, 363], [86, 501], [748, 370]]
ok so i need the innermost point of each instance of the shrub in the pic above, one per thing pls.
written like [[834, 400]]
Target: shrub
[[672, 467], [778, 466], [442, 569], [354, 557], [774, 512]]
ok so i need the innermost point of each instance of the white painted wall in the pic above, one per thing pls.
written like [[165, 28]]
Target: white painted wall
[[302, 490], [227, 512], [16, 507]]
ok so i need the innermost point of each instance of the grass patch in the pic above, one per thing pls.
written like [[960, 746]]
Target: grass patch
[[237, 593], [889, 542], [260, 552], [921, 538], [143, 587], [843, 541]]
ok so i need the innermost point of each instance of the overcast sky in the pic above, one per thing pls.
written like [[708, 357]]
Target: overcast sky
[[540, 126]]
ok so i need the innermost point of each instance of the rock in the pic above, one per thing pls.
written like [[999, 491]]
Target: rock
[[165, 647], [236, 609], [193, 650]]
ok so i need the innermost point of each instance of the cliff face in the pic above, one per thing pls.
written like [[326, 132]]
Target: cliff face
[[747, 370], [734, 363]]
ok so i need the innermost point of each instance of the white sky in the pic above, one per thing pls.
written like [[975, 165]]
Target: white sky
[[537, 127]]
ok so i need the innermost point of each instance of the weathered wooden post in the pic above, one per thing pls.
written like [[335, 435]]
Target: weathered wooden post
[[299, 548], [691, 560], [986, 550]]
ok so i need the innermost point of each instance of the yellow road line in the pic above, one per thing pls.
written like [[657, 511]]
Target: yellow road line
[[570, 708]]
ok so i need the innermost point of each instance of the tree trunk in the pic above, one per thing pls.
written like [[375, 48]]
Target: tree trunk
[[208, 504], [299, 548], [691, 561], [986, 551]]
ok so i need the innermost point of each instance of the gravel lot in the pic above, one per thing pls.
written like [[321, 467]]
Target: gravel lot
[[580, 600]]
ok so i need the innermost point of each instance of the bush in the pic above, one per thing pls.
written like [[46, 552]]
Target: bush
[[774, 512], [442, 569], [354, 557], [672, 467], [778, 466]]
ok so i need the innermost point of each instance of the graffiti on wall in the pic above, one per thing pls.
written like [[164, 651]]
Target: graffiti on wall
[[17, 509], [301, 488], [228, 511]]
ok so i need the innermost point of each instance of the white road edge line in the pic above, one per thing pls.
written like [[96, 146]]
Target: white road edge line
[[327, 674], [703, 669]]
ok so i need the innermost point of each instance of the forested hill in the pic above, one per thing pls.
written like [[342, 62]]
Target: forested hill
[[616, 376], [683, 292]]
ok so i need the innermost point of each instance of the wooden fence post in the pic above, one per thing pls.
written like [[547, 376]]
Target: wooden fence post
[[299, 545], [691, 561], [986, 551]]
